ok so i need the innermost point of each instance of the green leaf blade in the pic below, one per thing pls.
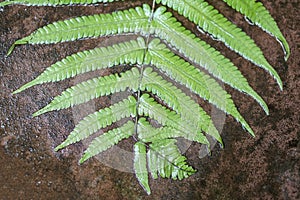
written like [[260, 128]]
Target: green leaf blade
[[107, 140], [82, 62], [91, 89], [100, 119], [260, 16], [140, 166], [127, 21]]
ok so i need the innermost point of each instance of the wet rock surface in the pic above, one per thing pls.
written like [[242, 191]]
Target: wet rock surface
[[264, 167]]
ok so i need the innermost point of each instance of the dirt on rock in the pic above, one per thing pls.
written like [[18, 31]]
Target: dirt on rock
[[264, 167]]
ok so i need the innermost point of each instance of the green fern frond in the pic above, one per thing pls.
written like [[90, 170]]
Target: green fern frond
[[99, 58], [179, 116], [93, 88], [165, 160], [195, 80], [140, 166], [179, 102], [259, 15], [100, 119], [211, 21], [132, 20], [107, 140], [169, 29]]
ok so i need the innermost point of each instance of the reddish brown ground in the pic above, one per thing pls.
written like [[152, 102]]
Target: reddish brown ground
[[264, 167]]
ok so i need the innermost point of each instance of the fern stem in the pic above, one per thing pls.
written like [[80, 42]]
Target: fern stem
[[142, 69]]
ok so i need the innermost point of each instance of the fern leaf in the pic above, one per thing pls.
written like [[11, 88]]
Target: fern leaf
[[169, 29], [99, 58], [165, 159], [195, 80], [132, 20], [107, 140], [140, 166], [149, 107], [147, 133], [211, 21], [97, 120], [179, 102], [259, 15], [93, 88]]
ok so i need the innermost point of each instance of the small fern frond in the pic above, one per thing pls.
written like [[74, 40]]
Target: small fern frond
[[179, 102], [107, 140], [165, 160], [148, 133], [257, 14], [93, 88], [211, 21], [99, 58], [195, 80], [140, 166], [169, 29], [100, 119], [131, 20], [148, 107]]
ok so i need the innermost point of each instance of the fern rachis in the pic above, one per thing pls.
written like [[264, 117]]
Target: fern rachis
[[152, 57]]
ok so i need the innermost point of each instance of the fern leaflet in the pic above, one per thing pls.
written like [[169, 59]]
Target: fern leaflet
[[259, 15], [107, 140], [99, 58], [104, 117], [91, 89], [140, 166], [132, 20]]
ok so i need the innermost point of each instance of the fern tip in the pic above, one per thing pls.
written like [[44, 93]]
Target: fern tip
[[285, 47], [18, 42], [83, 158], [286, 57], [56, 149], [10, 50], [287, 51], [39, 112], [16, 91], [251, 132]]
